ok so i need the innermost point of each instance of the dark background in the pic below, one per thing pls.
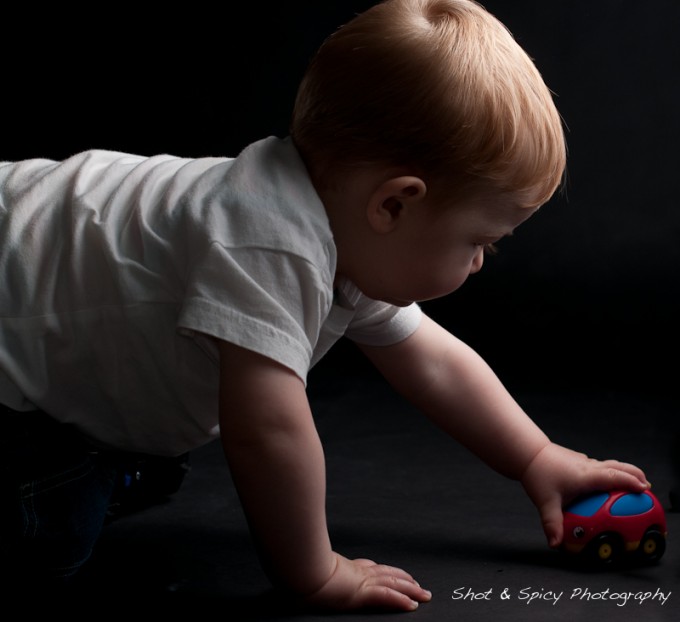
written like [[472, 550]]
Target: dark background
[[577, 313], [584, 295]]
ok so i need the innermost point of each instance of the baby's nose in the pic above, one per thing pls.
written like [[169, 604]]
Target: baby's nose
[[477, 261]]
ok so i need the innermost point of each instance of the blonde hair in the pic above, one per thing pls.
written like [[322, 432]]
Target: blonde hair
[[440, 85]]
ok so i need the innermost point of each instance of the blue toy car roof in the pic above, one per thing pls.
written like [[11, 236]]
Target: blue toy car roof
[[632, 505], [587, 506]]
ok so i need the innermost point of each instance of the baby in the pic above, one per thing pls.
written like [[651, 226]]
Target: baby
[[151, 305]]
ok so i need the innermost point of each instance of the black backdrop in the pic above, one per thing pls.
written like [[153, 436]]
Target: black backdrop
[[584, 295]]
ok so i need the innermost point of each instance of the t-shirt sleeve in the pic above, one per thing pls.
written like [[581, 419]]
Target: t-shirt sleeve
[[381, 324], [269, 302]]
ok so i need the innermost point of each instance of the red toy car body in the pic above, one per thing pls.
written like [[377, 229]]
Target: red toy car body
[[604, 526]]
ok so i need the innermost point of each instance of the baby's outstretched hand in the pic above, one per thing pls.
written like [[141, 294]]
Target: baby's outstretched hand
[[557, 475], [361, 583]]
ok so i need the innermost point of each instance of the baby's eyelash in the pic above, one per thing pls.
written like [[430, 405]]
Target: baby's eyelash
[[490, 249]]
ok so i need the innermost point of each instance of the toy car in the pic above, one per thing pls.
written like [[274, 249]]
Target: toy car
[[605, 527]]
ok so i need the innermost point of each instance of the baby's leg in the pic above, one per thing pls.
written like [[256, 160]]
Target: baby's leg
[[56, 493]]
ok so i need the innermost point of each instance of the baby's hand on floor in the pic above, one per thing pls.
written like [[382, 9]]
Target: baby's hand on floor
[[361, 583], [557, 475]]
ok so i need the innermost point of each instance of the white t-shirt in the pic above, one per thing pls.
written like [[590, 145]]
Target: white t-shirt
[[116, 268]]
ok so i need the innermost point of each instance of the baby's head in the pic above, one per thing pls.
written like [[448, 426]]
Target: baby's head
[[438, 87]]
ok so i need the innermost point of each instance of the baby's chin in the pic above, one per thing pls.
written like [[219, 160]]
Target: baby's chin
[[396, 302]]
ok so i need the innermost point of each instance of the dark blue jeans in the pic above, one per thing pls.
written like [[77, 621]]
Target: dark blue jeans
[[57, 491]]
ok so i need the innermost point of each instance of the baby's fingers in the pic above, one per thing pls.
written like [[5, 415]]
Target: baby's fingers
[[621, 469], [392, 588], [361, 584], [613, 474], [552, 521]]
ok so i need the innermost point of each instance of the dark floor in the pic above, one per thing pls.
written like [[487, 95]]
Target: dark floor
[[401, 492]]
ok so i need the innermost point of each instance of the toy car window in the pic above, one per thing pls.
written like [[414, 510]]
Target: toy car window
[[587, 506], [632, 504]]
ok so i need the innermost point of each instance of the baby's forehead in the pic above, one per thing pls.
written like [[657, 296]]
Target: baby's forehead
[[451, 196]]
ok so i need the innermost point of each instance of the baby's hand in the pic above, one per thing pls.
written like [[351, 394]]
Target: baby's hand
[[557, 475], [361, 583]]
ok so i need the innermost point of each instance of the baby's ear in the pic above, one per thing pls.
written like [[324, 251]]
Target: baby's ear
[[389, 200]]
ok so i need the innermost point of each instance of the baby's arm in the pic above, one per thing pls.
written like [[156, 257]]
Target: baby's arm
[[277, 463], [453, 385]]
